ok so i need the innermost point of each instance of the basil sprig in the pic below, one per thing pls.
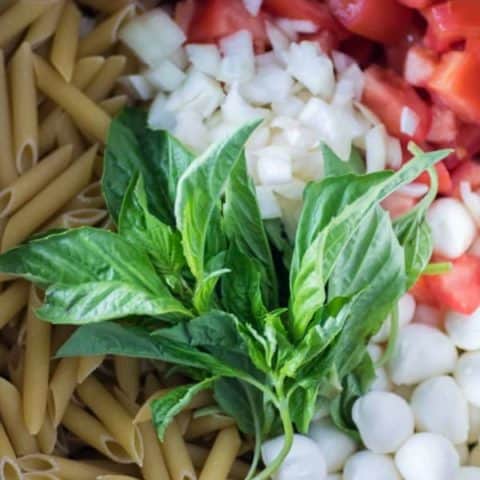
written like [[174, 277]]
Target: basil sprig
[[195, 278]]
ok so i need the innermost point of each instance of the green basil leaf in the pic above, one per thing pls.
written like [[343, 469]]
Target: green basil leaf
[[199, 192], [133, 148], [302, 403], [165, 408], [204, 290], [334, 166]]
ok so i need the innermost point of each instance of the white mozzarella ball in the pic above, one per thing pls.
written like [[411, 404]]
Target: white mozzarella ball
[[370, 466], [427, 456], [406, 311], [474, 419], [335, 445], [463, 452], [382, 382], [464, 330], [440, 407], [421, 352], [384, 420], [467, 374], [453, 229], [305, 460], [468, 473]]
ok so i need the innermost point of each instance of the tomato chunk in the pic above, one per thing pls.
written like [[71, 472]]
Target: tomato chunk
[[468, 171], [397, 204], [384, 21], [386, 93], [420, 64], [473, 45], [437, 38], [423, 293], [444, 127], [444, 179], [417, 3], [455, 82], [457, 17]]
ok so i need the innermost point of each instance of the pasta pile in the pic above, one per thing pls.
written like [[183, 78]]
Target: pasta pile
[[77, 418]]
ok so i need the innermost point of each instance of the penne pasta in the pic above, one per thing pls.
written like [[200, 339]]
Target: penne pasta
[[8, 170], [89, 197], [67, 134], [19, 16], [183, 420], [154, 465], [116, 477], [4, 4], [176, 454], [222, 455], [152, 384], [105, 34], [36, 367], [60, 335], [77, 218], [87, 365], [51, 199], [93, 433], [15, 365], [85, 113], [47, 436], [47, 132], [40, 476], [85, 70], [208, 424], [107, 6], [6, 449], [133, 63], [24, 108], [11, 413], [113, 416], [33, 181], [113, 105], [37, 462], [106, 78], [3, 357], [65, 42], [127, 373], [9, 469], [12, 300], [111, 467], [43, 28]]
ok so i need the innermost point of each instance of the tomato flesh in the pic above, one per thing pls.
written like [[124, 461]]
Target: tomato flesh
[[468, 171], [444, 179], [420, 64], [417, 3], [457, 17]]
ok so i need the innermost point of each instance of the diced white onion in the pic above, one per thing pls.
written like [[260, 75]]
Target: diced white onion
[[413, 190], [138, 87], [205, 58], [394, 153], [159, 116], [274, 166], [253, 6], [237, 111], [191, 130], [179, 58], [341, 61], [268, 203], [300, 26], [408, 121], [238, 63], [166, 76], [376, 149], [279, 41]]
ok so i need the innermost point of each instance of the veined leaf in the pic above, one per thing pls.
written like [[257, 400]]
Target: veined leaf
[[204, 291], [333, 166], [302, 402]]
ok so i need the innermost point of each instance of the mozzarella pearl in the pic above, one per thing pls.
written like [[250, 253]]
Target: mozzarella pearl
[[468, 473], [305, 461], [453, 229], [370, 466], [421, 352], [384, 421], [467, 374], [440, 407], [464, 330], [335, 445], [427, 456]]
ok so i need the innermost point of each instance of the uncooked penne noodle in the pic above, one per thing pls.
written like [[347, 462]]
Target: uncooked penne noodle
[[51, 199], [15, 364], [85, 113], [60, 335], [37, 462], [222, 455], [127, 373], [113, 415], [87, 365], [4, 4], [65, 42], [24, 108], [86, 69], [36, 367], [208, 424], [12, 416], [77, 218], [9, 469], [67, 134], [116, 477], [74, 469], [133, 63], [47, 132], [113, 105], [47, 436], [107, 6], [6, 449], [183, 420], [62, 386], [44, 26], [152, 384], [40, 476], [93, 433], [19, 16], [8, 170], [105, 34], [12, 300], [112, 467], [154, 466], [176, 454], [33, 181], [90, 197], [106, 78], [3, 357]]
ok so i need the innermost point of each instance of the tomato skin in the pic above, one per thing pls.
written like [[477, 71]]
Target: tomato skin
[[473, 45], [435, 38], [417, 3], [457, 17], [468, 171], [445, 126], [386, 94], [397, 204], [326, 40], [444, 180], [423, 293], [384, 21], [455, 82]]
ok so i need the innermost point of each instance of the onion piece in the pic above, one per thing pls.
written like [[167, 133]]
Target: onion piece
[[414, 190], [159, 116], [376, 149], [297, 26], [166, 76], [267, 203], [205, 58], [394, 153], [471, 201], [138, 87], [408, 121], [253, 6], [238, 63]]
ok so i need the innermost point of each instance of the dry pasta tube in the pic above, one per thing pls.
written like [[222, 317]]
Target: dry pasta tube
[[176, 454], [93, 433], [15, 365], [99, 40], [37, 462], [9, 469], [112, 467], [183, 420], [77, 218], [116, 477], [90, 197], [6, 449], [51, 199], [67, 134], [44, 26], [152, 384], [61, 333], [3, 357], [127, 373], [24, 108], [106, 78], [222, 455], [47, 436], [87, 365], [47, 132], [115, 418], [65, 42], [62, 386], [85, 113], [154, 466], [107, 6], [40, 476], [74, 469], [208, 424], [12, 300], [19, 16], [86, 69], [8, 171], [36, 368], [113, 105], [4, 4], [31, 182], [11, 413]]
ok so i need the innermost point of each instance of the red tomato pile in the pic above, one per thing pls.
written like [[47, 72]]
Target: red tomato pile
[[420, 54]]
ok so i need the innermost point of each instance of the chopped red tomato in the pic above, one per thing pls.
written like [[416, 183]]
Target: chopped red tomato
[[397, 204], [420, 64], [455, 82], [473, 45], [458, 289], [457, 17], [444, 179], [360, 49], [326, 40], [436, 38], [417, 3], [213, 19], [468, 139], [396, 54], [386, 93], [423, 293], [384, 21], [444, 127], [468, 171], [184, 12]]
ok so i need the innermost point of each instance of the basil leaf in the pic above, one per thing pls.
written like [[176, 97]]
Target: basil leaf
[[166, 407], [204, 291], [99, 301], [199, 192], [140, 227], [302, 403], [334, 166], [133, 148]]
